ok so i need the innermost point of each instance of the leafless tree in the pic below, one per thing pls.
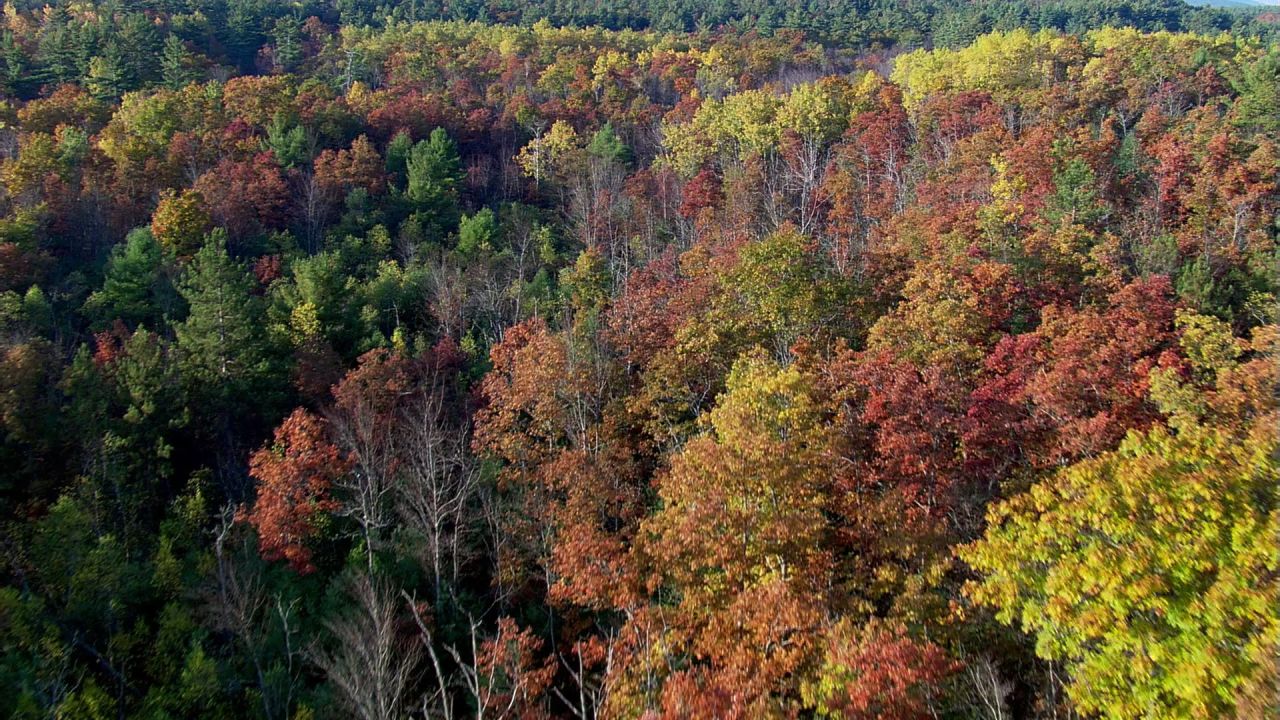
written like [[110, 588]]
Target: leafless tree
[[314, 199], [473, 679], [497, 684], [241, 606], [498, 540], [360, 430], [596, 207], [1054, 703], [439, 701], [800, 170], [370, 664], [448, 297], [437, 486], [592, 686], [983, 690]]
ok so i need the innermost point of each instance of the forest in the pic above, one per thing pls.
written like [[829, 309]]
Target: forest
[[853, 359]]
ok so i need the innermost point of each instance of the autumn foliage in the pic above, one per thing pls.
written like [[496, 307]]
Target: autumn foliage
[[295, 476], [674, 360]]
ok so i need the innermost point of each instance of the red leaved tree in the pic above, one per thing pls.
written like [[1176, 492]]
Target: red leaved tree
[[294, 476]]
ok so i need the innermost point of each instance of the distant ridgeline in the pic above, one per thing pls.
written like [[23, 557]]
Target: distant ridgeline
[[125, 45]]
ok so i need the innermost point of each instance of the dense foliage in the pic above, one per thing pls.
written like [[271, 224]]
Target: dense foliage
[[114, 46], [742, 360]]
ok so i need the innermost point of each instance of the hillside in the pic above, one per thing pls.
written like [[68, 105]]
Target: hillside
[[625, 360]]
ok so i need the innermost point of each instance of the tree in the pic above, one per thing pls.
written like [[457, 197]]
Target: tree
[[777, 292], [55, 53], [287, 53], [359, 166], [177, 64], [287, 142], [438, 488], [180, 222], [548, 156], [28, 421], [503, 677], [241, 34], [134, 290], [1076, 385], [335, 175], [245, 197], [606, 145], [740, 537], [221, 337], [507, 680], [744, 503], [538, 399], [14, 65], [1259, 102], [137, 32], [130, 400], [243, 608], [910, 421], [433, 173], [1148, 571], [295, 475], [878, 671], [477, 234], [1075, 196], [572, 492], [371, 664], [225, 356], [109, 76], [367, 406]]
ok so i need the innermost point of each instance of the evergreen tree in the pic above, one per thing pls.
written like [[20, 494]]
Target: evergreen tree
[[55, 54], [128, 401], [1259, 104], [134, 290], [288, 43], [221, 337], [109, 76], [139, 35], [353, 12], [14, 66], [224, 353], [433, 173], [86, 40], [477, 234], [177, 64], [398, 151], [288, 142], [606, 145], [242, 34], [1075, 197]]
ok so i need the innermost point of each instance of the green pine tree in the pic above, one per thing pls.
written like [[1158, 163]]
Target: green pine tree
[[606, 145], [129, 411], [221, 340], [288, 142], [14, 66], [177, 64], [288, 43], [141, 62], [433, 173], [55, 51], [477, 234], [1259, 103], [109, 76], [134, 289], [398, 151]]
